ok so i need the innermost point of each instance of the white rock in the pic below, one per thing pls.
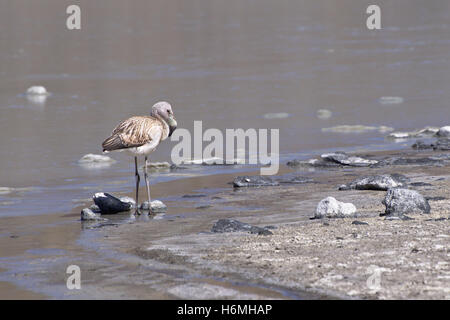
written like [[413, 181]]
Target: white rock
[[95, 158], [391, 100], [444, 132], [324, 114], [357, 129], [87, 214], [128, 200], [331, 208], [425, 132], [156, 206], [6, 190], [158, 165], [279, 115], [37, 90]]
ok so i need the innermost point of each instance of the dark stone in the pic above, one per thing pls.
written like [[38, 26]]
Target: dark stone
[[397, 161], [109, 204], [420, 145], [435, 198], [442, 144], [174, 167], [254, 181], [293, 180], [314, 163], [231, 225], [203, 207], [400, 201], [356, 222], [194, 195], [346, 160], [420, 184]]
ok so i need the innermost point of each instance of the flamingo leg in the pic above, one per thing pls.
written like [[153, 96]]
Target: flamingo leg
[[147, 184], [138, 179]]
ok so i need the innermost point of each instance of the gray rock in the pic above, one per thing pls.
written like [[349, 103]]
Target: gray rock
[[425, 132], [346, 160], [156, 206], [442, 144], [420, 145], [288, 179], [129, 200], [314, 163], [254, 181], [377, 182], [331, 208], [361, 223], [108, 204], [398, 161], [88, 215], [231, 225], [444, 132], [399, 201], [95, 208]]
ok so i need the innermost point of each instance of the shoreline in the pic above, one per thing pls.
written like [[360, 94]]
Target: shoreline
[[176, 256]]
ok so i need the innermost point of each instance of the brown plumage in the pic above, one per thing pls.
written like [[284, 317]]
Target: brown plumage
[[136, 132]]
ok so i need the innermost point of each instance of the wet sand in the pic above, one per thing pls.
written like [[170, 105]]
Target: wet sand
[[175, 256]]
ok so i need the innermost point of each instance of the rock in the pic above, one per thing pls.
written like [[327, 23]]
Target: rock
[[254, 181], [159, 166], [313, 163], [440, 144], [95, 161], [129, 200], [231, 225], [174, 167], [93, 158], [400, 201], [293, 180], [109, 204], [357, 129], [198, 195], [421, 184], [425, 132], [356, 222], [444, 132], [88, 215], [420, 145], [390, 100], [95, 208], [279, 115], [323, 114], [427, 161], [37, 91], [344, 159], [377, 182], [331, 208], [156, 206]]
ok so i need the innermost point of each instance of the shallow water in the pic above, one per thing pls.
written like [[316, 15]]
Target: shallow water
[[226, 63]]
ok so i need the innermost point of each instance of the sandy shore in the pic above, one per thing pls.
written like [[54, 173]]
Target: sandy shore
[[305, 258], [175, 256]]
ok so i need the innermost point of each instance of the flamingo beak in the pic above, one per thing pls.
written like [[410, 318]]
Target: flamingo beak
[[172, 124]]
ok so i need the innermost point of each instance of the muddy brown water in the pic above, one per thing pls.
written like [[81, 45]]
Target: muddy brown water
[[224, 63]]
